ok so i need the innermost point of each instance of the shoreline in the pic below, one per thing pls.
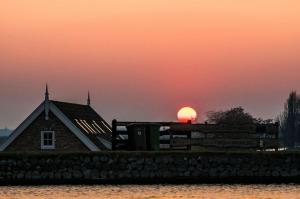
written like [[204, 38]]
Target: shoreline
[[150, 182]]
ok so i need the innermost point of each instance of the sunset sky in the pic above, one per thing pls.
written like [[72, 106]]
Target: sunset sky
[[143, 60]]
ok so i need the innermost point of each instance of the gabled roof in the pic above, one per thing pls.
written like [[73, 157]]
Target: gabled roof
[[88, 121], [82, 120]]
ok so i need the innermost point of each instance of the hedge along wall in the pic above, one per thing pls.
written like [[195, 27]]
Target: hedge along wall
[[149, 167]]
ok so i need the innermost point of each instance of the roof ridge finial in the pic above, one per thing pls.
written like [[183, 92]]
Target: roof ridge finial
[[46, 93], [89, 99], [46, 103]]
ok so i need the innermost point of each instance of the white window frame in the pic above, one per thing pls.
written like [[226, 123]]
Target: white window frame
[[42, 140]]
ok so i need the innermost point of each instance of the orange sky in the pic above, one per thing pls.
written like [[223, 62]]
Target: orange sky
[[143, 60]]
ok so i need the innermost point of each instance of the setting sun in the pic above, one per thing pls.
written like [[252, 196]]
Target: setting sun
[[186, 114]]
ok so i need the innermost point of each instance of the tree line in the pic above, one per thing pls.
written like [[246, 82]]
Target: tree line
[[234, 116], [289, 120]]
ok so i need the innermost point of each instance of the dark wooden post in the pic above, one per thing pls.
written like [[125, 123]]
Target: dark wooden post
[[114, 135], [171, 140], [189, 137], [277, 135]]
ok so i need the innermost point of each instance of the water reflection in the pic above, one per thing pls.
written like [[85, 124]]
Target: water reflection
[[152, 192]]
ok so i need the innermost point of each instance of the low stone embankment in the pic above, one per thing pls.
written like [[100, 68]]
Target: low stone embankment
[[149, 167]]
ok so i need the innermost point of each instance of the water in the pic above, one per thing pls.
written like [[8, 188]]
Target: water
[[152, 192]]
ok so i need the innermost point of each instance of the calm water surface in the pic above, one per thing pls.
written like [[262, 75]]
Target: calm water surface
[[151, 191]]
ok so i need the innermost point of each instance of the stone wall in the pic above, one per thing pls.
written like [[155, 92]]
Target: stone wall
[[149, 167]]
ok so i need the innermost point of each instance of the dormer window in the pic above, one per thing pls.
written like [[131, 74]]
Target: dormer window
[[47, 140]]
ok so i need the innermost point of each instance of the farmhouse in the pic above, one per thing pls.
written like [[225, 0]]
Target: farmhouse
[[61, 126]]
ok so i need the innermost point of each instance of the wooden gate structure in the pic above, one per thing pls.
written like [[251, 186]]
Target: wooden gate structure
[[183, 136]]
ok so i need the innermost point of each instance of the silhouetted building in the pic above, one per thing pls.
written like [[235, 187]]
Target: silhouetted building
[[60, 126]]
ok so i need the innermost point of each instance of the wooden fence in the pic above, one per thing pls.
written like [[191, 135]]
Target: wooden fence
[[179, 136]]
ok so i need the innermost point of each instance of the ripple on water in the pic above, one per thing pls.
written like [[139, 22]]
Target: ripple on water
[[283, 191]]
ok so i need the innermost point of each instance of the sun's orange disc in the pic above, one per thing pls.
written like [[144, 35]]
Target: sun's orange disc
[[186, 114]]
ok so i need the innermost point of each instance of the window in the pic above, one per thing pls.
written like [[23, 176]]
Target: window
[[140, 131], [47, 140]]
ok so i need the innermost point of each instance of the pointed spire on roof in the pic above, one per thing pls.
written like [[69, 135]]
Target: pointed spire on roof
[[46, 93], [88, 99], [46, 103]]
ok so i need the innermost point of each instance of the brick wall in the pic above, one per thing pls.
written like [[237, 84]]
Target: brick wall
[[30, 139]]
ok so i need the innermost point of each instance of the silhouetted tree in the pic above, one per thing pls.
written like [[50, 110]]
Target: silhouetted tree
[[262, 121], [234, 116], [290, 120]]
